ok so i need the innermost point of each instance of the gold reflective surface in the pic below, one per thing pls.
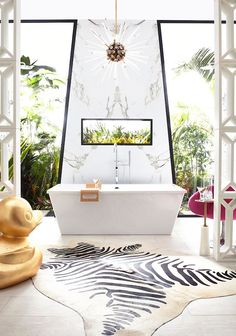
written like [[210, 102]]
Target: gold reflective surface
[[18, 259]]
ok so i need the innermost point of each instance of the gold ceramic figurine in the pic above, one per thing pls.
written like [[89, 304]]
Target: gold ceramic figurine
[[18, 259]]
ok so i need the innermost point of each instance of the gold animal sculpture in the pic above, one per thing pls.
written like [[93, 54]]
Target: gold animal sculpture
[[18, 259]]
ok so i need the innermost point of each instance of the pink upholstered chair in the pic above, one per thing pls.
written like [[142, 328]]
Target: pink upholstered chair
[[198, 209]]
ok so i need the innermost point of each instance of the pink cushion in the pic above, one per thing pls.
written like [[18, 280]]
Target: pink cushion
[[198, 207]]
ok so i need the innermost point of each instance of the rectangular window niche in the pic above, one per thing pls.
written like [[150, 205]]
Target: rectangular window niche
[[102, 131]]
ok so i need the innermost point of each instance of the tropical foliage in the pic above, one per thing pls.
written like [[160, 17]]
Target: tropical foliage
[[192, 133], [103, 135], [202, 62], [40, 98], [192, 145]]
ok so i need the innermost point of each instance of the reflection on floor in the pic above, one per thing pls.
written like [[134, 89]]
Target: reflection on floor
[[24, 311]]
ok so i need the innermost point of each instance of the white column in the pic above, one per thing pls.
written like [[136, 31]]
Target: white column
[[225, 126], [9, 98]]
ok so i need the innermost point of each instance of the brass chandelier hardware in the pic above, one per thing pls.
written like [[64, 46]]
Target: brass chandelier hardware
[[116, 51]]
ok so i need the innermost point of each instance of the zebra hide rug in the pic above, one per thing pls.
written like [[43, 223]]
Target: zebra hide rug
[[127, 291]]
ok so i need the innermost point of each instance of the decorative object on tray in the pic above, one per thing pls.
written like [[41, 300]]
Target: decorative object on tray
[[96, 184], [91, 191]]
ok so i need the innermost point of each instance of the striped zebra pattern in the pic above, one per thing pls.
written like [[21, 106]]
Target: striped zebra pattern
[[133, 281]]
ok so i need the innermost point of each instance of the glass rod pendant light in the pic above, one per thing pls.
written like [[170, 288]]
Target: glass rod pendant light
[[116, 51]]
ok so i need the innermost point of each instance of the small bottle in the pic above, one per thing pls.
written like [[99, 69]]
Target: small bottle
[[205, 194], [209, 194]]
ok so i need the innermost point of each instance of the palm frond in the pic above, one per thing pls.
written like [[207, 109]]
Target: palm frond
[[202, 62]]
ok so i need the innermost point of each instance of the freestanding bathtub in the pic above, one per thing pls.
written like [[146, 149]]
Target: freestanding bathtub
[[130, 209]]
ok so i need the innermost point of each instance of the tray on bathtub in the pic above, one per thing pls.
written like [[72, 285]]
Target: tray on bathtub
[[97, 185]]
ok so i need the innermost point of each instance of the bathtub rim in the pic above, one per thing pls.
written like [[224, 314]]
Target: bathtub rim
[[108, 188]]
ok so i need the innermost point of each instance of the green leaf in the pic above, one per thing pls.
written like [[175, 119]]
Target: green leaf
[[202, 62]]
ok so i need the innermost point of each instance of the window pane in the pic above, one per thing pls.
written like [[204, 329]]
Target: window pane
[[189, 58], [45, 55]]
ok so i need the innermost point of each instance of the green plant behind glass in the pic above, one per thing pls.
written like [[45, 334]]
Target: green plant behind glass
[[40, 97], [192, 147], [193, 139], [102, 135]]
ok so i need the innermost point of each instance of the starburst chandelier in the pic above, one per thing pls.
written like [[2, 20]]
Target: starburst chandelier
[[116, 50]]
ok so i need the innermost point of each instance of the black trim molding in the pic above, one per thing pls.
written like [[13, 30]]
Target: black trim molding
[[67, 99], [166, 102]]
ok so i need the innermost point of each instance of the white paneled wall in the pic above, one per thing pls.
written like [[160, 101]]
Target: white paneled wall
[[130, 90], [9, 98], [225, 128]]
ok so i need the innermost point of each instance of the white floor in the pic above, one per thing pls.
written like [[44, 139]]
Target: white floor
[[26, 312]]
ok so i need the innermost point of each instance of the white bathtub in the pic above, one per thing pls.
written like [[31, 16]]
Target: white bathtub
[[131, 209]]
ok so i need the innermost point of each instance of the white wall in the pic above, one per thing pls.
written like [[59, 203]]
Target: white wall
[[128, 9], [135, 90]]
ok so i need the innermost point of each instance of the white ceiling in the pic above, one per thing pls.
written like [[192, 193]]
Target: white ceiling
[[127, 9]]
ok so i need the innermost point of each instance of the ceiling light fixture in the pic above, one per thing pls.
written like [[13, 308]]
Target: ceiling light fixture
[[116, 50]]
